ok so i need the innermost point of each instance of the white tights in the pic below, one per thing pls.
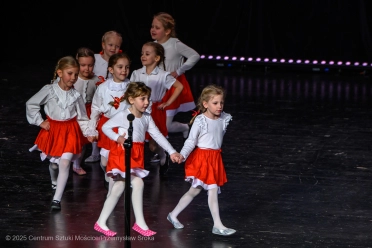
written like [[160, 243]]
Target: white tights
[[103, 166], [114, 196], [60, 174], [212, 203], [177, 127]]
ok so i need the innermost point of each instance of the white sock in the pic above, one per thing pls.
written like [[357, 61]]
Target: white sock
[[53, 170], [110, 203], [64, 168]]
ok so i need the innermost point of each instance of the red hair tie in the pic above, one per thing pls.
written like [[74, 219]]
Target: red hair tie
[[195, 113]]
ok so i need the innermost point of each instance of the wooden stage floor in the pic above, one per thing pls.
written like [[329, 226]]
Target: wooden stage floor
[[297, 156]]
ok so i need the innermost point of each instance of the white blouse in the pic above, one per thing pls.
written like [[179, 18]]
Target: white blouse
[[158, 80], [59, 105], [100, 66], [175, 54], [105, 94], [86, 88], [140, 127], [206, 133]]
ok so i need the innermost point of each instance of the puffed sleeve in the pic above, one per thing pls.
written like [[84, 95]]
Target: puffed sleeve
[[33, 105]]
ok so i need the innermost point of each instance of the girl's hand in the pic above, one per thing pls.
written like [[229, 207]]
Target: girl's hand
[[91, 138], [180, 159], [162, 106], [45, 125], [121, 139], [174, 74], [174, 157]]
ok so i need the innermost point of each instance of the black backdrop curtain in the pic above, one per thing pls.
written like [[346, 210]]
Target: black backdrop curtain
[[317, 29]]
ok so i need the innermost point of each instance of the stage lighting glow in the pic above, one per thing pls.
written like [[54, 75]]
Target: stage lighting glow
[[226, 58], [233, 58], [365, 64], [210, 57], [242, 58], [298, 61], [315, 62], [218, 57], [274, 60], [250, 59], [339, 63], [258, 59], [266, 60], [282, 60], [331, 62], [356, 63], [323, 62], [347, 63], [202, 56], [307, 61], [290, 61]]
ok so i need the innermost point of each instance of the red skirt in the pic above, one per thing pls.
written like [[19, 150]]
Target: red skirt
[[116, 161], [205, 167], [185, 101], [160, 118], [62, 137], [88, 107], [104, 141]]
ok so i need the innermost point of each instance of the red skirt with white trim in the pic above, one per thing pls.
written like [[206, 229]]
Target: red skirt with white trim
[[184, 102], [104, 141], [205, 168], [116, 161], [62, 137]]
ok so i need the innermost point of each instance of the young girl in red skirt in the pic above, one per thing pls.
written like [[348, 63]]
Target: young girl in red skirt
[[137, 95], [160, 82], [179, 59], [204, 167], [61, 136], [107, 101]]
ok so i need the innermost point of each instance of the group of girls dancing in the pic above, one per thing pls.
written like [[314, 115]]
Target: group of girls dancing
[[89, 101]]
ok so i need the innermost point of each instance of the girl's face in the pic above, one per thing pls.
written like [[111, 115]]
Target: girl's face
[[120, 70], [111, 45], [139, 104], [86, 67], [68, 77], [214, 106], [148, 56], [158, 32]]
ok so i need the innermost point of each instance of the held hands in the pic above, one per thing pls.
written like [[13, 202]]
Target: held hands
[[92, 138], [45, 125], [176, 158]]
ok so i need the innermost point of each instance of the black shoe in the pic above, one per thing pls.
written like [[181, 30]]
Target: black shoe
[[56, 205], [164, 168]]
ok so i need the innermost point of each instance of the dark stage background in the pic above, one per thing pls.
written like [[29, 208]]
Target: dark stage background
[[319, 29]]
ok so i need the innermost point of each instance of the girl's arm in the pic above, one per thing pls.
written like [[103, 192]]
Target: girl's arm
[[179, 87], [190, 54], [95, 114], [191, 141], [33, 106], [116, 121], [82, 117]]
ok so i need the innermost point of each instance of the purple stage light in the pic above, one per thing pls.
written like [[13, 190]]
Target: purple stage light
[[258, 59], [282, 60], [274, 60], [315, 62], [242, 58], [298, 61], [365, 64], [347, 63], [290, 61], [210, 57], [356, 63], [226, 58], [323, 62], [266, 60], [233, 58], [202, 56], [331, 62], [339, 63], [218, 57], [307, 61], [250, 59]]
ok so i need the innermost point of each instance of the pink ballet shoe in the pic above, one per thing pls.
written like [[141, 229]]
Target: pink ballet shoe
[[107, 233], [146, 233]]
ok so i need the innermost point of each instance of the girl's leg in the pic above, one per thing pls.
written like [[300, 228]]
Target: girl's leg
[[184, 202], [76, 163], [177, 127], [94, 157], [53, 170], [140, 225], [214, 208], [64, 169], [103, 166], [110, 203]]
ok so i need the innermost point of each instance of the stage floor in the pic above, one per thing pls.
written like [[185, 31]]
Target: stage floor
[[297, 157]]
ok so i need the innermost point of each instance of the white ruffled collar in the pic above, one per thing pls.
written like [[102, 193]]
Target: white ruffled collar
[[64, 98], [113, 86]]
